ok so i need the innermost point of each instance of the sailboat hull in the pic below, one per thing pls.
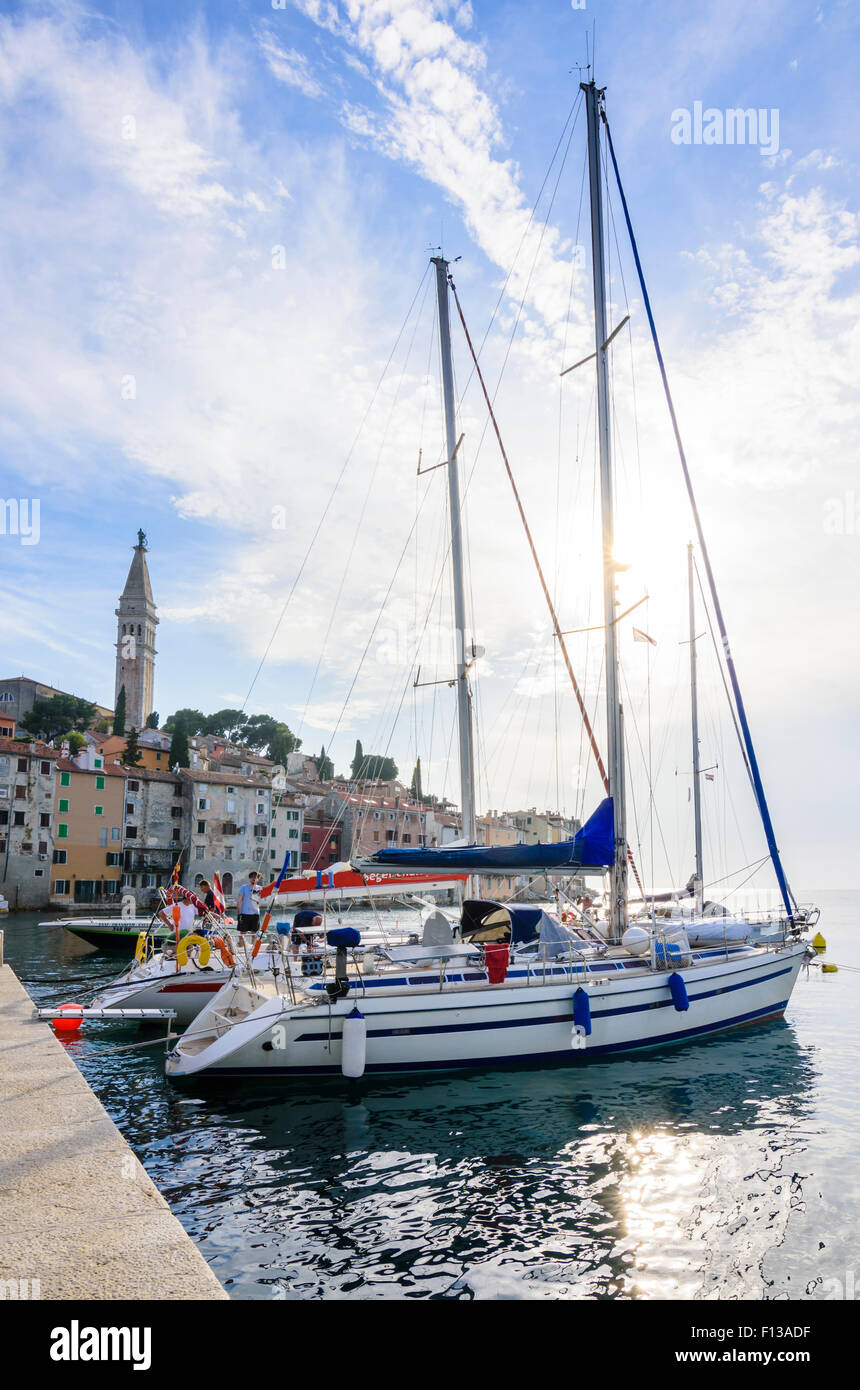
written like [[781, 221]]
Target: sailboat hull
[[502, 1025]]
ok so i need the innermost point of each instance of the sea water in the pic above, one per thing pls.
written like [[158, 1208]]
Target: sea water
[[721, 1168]]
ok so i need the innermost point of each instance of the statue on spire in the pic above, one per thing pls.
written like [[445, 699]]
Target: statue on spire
[[141, 539]]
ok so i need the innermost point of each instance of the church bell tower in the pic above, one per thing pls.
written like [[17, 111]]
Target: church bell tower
[[135, 641]]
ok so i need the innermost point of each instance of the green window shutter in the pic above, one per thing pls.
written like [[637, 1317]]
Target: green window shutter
[[97, 762], [64, 806], [65, 779], [62, 832], [100, 784], [99, 810]]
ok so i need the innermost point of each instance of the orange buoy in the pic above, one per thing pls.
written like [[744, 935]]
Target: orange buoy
[[71, 1023]]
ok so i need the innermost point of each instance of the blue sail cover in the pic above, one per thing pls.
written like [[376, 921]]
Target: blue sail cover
[[592, 847]]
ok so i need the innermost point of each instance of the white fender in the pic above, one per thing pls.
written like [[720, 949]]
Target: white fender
[[354, 1048]]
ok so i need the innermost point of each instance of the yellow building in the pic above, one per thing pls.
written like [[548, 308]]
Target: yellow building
[[154, 749], [89, 809]]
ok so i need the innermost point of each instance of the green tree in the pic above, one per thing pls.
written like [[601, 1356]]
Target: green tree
[[178, 756], [324, 766], [225, 723], [378, 768], [75, 741], [131, 755], [193, 721], [415, 784], [356, 765], [152, 720], [51, 719], [281, 745], [119, 712]]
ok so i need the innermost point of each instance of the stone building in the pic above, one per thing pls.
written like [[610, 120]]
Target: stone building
[[155, 810], [27, 780]]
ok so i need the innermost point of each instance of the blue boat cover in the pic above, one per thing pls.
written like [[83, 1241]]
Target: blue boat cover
[[592, 847]]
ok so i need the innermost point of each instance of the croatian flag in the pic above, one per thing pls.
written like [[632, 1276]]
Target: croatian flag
[[218, 895]]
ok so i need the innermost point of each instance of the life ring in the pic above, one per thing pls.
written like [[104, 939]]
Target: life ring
[[140, 948], [193, 940], [224, 951]]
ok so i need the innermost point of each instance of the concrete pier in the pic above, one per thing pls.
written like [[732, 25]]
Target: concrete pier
[[79, 1216]]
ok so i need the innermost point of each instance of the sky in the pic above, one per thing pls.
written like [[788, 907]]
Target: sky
[[219, 327]]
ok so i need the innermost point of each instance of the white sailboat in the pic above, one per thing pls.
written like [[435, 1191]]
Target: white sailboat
[[514, 986]]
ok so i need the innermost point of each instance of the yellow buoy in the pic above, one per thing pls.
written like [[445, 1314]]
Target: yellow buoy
[[818, 942], [831, 968]]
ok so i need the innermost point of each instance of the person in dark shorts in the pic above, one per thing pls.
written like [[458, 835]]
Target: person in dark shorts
[[248, 904]]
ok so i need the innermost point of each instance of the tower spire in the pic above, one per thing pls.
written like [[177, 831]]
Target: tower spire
[[135, 640]]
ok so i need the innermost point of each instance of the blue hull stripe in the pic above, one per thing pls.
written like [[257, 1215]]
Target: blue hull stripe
[[569, 1055], [567, 1017]]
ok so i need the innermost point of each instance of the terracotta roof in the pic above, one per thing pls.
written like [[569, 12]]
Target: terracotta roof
[[66, 765], [22, 748], [233, 779], [152, 774]]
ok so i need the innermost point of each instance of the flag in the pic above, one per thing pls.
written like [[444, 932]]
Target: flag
[[218, 895], [640, 636], [709, 777], [174, 879], [278, 881]]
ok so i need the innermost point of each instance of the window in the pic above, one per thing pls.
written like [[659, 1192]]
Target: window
[[175, 811], [38, 873], [98, 762], [61, 887], [230, 789], [376, 836], [44, 820], [202, 804], [199, 851], [43, 846], [407, 839], [64, 805], [174, 839], [4, 817], [98, 810], [19, 818], [45, 768], [134, 786], [113, 860], [22, 764], [294, 834], [129, 808], [228, 852], [100, 784], [62, 832], [131, 832], [261, 807], [306, 837], [306, 859], [150, 881], [59, 856], [201, 827], [114, 832], [2, 846], [230, 828], [65, 779], [391, 835], [230, 804], [21, 791], [103, 836], [274, 832], [158, 757]]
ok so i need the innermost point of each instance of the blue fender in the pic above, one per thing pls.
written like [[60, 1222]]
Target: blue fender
[[582, 1011], [679, 992]]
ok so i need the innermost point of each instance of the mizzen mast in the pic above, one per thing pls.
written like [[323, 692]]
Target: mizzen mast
[[463, 656]]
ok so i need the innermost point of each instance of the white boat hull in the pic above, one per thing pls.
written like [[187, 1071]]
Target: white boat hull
[[502, 1025]]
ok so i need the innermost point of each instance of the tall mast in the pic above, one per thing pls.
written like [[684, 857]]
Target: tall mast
[[464, 698], [694, 705], [614, 713]]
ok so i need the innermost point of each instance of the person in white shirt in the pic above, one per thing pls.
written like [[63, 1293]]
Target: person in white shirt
[[248, 904]]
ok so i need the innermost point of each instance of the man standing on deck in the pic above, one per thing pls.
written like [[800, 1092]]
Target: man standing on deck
[[248, 904]]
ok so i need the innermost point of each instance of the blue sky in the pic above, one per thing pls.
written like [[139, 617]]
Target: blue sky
[[153, 155]]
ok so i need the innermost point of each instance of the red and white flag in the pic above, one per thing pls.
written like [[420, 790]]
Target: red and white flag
[[640, 636], [218, 895]]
